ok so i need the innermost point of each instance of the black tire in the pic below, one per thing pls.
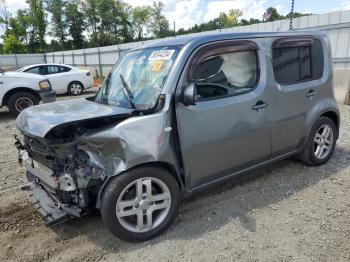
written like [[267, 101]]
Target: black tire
[[73, 89], [308, 154], [14, 100], [116, 187]]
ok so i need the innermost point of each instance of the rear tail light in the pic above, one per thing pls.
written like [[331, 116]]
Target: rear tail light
[[88, 74]]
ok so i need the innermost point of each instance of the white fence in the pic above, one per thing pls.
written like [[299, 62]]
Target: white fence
[[336, 24]]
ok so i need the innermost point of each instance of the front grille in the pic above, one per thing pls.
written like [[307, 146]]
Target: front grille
[[40, 152]]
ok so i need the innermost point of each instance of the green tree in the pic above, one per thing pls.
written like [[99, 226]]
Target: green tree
[[126, 29], [76, 24], [224, 20], [19, 25], [115, 20], [141, 16], [231, 19], [159, 25], [254, 21], [37, 28], [271, 14], [58, 20], [24, 22], [12, 45], [4, 14], [244, 22], [296, 15], [90, 8]]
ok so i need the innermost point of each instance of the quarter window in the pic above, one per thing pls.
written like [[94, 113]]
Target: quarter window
[[64, 69], [293, 64], [226, 74]]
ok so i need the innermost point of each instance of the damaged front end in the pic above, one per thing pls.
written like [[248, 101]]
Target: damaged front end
[[65, 180], [69, 160]]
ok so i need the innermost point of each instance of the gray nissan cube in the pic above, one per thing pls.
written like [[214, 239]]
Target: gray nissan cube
[[175, 117]]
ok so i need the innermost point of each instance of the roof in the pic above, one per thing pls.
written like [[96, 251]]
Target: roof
[[183, 40], [33, 65]]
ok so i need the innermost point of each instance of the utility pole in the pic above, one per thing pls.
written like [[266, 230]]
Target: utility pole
[[291, 16]]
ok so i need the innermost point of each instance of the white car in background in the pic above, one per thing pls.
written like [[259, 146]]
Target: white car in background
[[21, 90], [63, 78]]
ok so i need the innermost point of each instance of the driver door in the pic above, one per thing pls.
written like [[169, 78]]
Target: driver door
[[227, 130]]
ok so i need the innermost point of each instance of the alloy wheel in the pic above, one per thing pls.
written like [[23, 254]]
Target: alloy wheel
[[323, 141], [143, 205]]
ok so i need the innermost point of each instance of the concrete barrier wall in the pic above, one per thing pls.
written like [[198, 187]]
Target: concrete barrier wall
[[341, 83]]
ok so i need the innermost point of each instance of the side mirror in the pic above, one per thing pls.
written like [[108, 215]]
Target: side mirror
[[188, 95]]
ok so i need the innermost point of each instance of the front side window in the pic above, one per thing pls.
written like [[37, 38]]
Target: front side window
[[226, 74], [138, 78], [34, 70], [293, 64]]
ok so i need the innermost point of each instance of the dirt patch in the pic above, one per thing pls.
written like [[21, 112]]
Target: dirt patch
[[285, 212]]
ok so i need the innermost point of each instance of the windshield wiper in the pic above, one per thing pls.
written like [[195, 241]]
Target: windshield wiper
[[128, 91]]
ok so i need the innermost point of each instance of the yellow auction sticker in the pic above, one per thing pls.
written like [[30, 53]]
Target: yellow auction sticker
[[157, 65]]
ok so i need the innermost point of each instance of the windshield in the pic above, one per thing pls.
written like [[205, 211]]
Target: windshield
[[138, 78]]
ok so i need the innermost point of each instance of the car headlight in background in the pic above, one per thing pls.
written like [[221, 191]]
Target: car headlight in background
[[44, 84]]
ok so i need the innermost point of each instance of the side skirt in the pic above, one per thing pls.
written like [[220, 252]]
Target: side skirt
[[243, 171]]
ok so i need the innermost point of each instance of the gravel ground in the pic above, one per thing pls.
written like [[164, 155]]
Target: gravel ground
[[285, 212]]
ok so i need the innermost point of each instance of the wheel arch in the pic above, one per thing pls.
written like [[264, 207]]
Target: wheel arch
[[75, 81], [333, 116], [10, 92], [158, 164]]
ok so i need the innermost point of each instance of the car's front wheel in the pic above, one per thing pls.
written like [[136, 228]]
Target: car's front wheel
[[75, 88], [20, 101], [141, 203], [321, 143]]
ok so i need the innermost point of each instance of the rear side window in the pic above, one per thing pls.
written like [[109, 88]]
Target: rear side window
[[53, 70], [297, 61]]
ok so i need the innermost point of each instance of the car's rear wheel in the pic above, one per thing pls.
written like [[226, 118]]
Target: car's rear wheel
[[321, 143], [20, 101], [75, 88], [141, 203]]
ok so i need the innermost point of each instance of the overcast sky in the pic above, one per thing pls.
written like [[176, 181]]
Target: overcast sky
[[186, 13]]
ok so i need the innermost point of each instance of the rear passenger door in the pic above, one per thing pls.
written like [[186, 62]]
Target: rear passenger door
[[56, 75], [298, 68]]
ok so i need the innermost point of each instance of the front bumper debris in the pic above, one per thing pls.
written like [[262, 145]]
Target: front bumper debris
[[47, 207], [44, 194]]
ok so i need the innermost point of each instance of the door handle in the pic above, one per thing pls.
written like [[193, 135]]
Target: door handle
[[310, 93], [260, 105]]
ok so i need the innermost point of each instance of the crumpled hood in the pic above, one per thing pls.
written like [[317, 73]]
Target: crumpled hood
[[37, 121]]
